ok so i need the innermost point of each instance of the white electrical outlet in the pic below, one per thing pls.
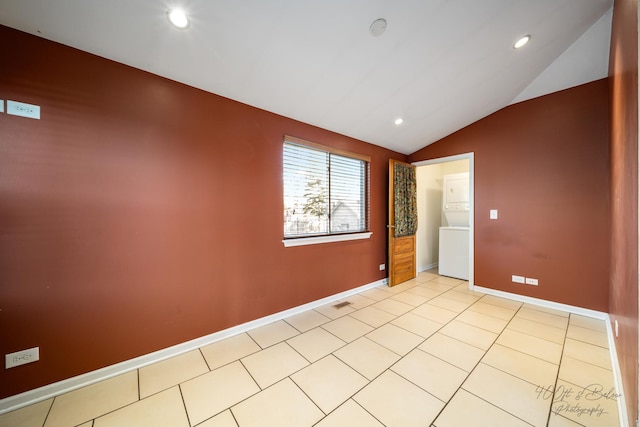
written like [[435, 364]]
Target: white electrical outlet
[[1, 106], [382, 267], [23, 109], [517, 279], [21, 357], [530, 281], [493, 214]]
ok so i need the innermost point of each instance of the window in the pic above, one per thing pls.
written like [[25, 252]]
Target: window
[[325, 190]]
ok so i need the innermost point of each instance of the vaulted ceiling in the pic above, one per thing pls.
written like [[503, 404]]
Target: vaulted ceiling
[[440, 64]]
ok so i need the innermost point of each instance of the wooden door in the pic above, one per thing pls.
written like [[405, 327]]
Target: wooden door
[[402, 237]]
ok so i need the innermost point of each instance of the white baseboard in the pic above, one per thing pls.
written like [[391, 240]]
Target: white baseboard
[[427, 267], [617, 377], [51, 390], [544, 303]]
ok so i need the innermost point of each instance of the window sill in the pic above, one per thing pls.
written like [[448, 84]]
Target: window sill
[[325, 239]]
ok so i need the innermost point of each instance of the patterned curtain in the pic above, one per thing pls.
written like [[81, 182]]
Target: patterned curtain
[[405, 206]]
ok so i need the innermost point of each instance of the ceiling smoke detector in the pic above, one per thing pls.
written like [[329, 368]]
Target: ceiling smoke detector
[[377, 27]]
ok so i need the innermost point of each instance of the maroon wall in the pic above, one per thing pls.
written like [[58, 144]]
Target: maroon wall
[[544, 165], [140, 213], [623, 72]]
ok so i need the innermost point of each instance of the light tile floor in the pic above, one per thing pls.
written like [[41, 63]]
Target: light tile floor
[[428, 352]]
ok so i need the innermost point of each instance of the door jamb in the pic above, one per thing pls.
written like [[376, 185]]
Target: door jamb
[[468, 156]]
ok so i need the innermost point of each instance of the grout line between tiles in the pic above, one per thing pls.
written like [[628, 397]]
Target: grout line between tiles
[[205, 360], [184, 404], [555, 385]]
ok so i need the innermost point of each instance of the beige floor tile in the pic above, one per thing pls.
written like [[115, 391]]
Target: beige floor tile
[[460, 354], [470, 334], [29, 416], [540, 330], [449, 304], [393, 306], [501, 302], [410, 298], [212, 393], [588, 322], [534, 346], [425, 276], [307, 320], [589, 353], [483, 321], [367, 357], [560, 421], [586, 375], [396, 339], [376, 294], [89, 402], [590, 336], [347, 328], [509, 393], [449, 281], [546, 310], [465, 297], [161, 409], [168, 373], [373, 316], [329, 382], [434, 313], [229, 350], [468, 410], [332, 312], [87, 424], [426, 292], [584, 407], [417, 324], [282, 405], [433, 375], [315, 344], [350, 414], [359, 301], [403, 286], [493, 310], [397, 402], [224, 419], [271, 365], [521, 365], [542, 317], [436, 286], [273, 333]]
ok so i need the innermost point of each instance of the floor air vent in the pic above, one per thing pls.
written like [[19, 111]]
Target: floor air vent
[[342, 304]]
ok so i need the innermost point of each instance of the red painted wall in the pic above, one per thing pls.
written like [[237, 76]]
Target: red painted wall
[[140, 213], [623, 72], [544, 165]]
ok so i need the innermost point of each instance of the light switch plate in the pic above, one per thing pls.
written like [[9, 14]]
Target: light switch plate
[[1, 105], [493, 214]]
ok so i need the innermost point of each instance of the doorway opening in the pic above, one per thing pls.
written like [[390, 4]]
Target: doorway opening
[[430, 183]]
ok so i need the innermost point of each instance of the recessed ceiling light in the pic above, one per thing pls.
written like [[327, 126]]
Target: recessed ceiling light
[[398, 121], [524, 40], [178, 18], [377, 27]]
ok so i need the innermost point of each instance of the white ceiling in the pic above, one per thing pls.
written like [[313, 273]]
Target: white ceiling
[[441, 64]]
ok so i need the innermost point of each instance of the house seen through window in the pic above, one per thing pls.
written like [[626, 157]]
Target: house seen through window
[[325, 190]]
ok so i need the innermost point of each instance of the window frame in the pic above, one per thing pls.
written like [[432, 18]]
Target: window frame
[[331, 236]]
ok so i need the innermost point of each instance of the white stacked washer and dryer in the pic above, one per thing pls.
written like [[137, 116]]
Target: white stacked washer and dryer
[[454, 237]]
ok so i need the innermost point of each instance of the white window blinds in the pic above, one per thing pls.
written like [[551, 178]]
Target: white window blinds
[[324, 192]]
